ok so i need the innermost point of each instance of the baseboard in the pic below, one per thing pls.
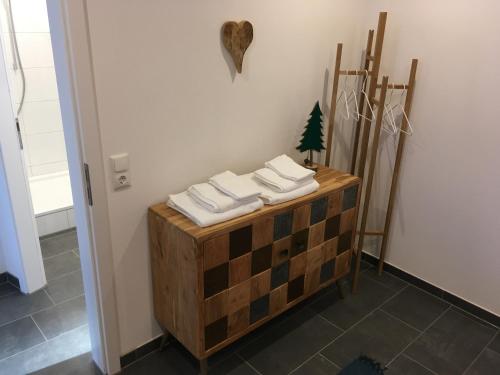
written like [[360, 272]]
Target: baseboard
[[140, 352], [56, 234], [6, 277], [436, 291]]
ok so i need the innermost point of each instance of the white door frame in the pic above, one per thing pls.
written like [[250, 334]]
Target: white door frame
[[75, 79]]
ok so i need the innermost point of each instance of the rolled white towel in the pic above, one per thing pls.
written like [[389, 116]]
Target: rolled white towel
[[278, 183], [287, 168], [271, 197], [234, 186], [213, 199], [183, 203]]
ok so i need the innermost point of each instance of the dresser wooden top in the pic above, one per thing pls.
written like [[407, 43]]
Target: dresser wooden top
[[330, 180]]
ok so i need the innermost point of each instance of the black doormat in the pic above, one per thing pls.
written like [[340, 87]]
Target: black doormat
[[363, 366]]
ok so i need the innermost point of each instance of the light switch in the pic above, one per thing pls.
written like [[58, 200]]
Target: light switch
[[119, 162]]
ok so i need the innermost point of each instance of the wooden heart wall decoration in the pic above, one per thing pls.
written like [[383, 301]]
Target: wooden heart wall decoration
[[237, 38]]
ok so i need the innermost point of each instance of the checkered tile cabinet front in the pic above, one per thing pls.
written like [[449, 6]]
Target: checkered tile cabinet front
[[266, 263]]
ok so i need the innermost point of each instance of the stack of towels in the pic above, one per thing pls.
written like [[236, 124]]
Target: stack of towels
[[226, 195], [283, 180]]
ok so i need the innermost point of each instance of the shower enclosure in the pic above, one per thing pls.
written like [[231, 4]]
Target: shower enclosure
[[30, 69]]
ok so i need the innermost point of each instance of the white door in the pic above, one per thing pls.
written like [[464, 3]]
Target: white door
[[18, 233], [75, 81]]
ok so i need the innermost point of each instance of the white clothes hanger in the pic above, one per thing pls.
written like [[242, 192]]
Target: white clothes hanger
[[367, 100], [401, 107], [355, 113], [388, 119], [345, 98]]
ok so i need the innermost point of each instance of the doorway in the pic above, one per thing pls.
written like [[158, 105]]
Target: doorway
[[17, 221], [40, 324]]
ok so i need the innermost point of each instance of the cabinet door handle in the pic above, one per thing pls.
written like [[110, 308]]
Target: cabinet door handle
[[284, 253]]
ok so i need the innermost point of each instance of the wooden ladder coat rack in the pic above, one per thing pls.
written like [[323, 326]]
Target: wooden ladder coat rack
[[362, 133]]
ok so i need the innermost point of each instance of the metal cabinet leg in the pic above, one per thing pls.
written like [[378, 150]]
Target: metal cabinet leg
[[357, 268], [164, 340], [204, 366], [340, 290]]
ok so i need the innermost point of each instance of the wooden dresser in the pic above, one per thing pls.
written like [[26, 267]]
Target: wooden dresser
[[213, 285]]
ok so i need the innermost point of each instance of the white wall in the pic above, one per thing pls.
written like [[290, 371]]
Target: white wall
[[168, 96], [446, 222], [40, 118]]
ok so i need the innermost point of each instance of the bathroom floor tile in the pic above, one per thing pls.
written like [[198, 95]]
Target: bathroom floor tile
[[7, 289], [170, 361], [415, 307], [495, 344], [18, 336], [59, 243], [13, 281], [80, 365], [61, 318], [176, 360], [317, 365], [386, 279], [61, 264], [451, 343], [379, 336], [65, 287], [232, 366], [284, 347], [406, 366], [48, 353], [363, 265], [348, 311], [486, 364], [228, 363], [18, 305]]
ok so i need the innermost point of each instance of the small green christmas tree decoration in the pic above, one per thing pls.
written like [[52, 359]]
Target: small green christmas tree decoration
[[312, 138]]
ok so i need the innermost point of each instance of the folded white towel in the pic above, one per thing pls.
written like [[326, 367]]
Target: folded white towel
[[287, 168], [271, 197], [234, 186], [183, 203], [278, 183], [213, 199]]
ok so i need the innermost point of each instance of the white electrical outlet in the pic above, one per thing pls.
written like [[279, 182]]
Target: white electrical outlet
[[121, 180]]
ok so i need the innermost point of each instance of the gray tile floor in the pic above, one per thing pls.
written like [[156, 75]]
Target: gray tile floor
[[406, 329], [50, 325]]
